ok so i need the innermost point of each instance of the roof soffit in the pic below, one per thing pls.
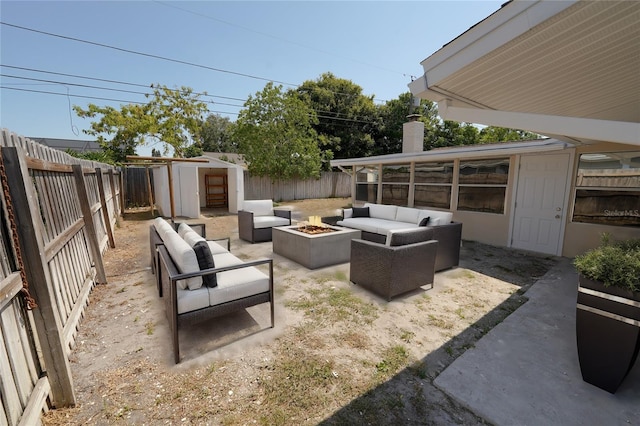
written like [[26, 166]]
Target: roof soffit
[[582, 62]]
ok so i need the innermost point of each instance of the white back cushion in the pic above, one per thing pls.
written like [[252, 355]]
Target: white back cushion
[[437, 217], [259, 207], [382, 211], [192, 237], [162, 227], [183, 229], [185, 259], [406, 214], [347, 213]]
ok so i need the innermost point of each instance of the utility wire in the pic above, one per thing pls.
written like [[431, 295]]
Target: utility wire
[[103, 88], [142, 103], [335, 115], [164, 58], [148, 55], [111, 81], [295, 43], [94, 97]]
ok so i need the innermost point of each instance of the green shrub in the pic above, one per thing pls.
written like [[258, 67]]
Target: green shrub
[[614, 264]]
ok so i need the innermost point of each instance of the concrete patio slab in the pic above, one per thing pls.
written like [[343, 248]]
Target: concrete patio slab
[[525, 371]]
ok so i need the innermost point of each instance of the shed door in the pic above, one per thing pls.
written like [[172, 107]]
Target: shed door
[[189, 192], [540, 203]]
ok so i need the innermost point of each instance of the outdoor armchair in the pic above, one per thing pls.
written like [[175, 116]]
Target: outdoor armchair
[[405, 263], [257, 218]]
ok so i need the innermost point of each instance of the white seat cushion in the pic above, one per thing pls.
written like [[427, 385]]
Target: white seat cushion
[[269, 221], [259, 207], [217, 248], [192, 300], [238, 283], [225, 259]]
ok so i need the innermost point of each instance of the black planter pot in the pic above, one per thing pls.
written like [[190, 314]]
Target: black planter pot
[[607, 332]]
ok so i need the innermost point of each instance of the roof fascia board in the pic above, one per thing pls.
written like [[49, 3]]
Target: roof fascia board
[[572, 127], [467, 152], [496, 30]]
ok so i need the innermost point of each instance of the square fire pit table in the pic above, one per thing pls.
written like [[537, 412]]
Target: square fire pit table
[[314, 251]]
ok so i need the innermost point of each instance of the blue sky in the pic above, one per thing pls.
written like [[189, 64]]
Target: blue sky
[[376, 45]]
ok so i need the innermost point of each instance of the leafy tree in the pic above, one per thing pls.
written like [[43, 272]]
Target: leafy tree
[[217, 134], [347, 119], [492, 134], [155, 153], [275, 135], [99, 156], [393, 114], [172, 116]]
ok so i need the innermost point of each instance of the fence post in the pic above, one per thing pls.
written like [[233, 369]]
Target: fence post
[[103, 206], [46, 318], [114, 198], [90, 228]]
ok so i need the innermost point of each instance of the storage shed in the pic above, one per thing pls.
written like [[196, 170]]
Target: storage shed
[[212, 184]]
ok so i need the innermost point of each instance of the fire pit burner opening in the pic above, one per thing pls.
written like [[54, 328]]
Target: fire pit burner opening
[[314, 226], [314, 229]]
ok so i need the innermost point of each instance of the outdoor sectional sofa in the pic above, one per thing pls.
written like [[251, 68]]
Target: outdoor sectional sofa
[[201, 279], [377, 220]]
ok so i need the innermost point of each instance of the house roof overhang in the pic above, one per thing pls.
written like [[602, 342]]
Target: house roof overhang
[[568, 70], [459, 152]]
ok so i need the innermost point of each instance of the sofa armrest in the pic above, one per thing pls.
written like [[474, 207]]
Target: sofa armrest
[[245, 225], [227, 239], [449, 237], [283, 213]]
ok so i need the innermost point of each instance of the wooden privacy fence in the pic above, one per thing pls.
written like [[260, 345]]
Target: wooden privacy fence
[[57, 217], [136, 180], [330, 184]]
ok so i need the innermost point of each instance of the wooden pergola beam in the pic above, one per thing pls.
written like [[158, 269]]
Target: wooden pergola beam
[[168, 161]]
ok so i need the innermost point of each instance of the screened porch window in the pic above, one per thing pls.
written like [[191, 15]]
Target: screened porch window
[[608, 189], [482, 185], [395, 184], [432, 185], [367, 184]]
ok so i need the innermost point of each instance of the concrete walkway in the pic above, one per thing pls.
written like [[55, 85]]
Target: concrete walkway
[[525, 371]]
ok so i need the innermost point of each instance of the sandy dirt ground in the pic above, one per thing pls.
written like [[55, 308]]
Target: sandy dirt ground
[[123, 363]]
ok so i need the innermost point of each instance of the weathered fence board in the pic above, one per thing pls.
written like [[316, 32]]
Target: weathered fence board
[[67, 208], [330, 184]]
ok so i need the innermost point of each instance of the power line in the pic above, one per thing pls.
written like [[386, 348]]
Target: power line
[[94, 97], [149, 55], [64, 83], [110, 81], [295, 43]]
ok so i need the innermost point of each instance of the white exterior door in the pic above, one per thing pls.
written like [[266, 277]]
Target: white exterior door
[[540, 203]]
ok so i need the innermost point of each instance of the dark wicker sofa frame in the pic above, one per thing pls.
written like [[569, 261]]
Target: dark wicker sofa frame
[[170, 275], [389, 271], [247, 232], [449, 237]]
